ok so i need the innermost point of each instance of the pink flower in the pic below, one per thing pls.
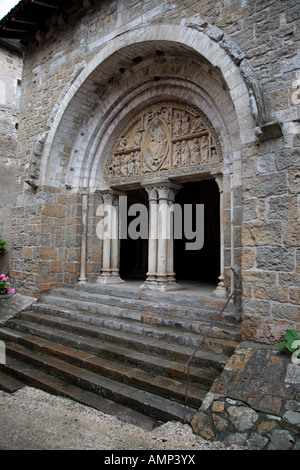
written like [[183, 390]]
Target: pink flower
[[10, 290]]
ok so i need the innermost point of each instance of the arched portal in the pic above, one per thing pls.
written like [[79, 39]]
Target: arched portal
[[139, 69]]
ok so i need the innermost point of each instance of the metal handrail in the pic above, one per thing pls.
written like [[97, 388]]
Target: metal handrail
[[187, 365]]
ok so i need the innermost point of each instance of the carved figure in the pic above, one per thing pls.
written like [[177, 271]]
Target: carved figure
[[137, 163], [204, 149], [157, 144], [130, 165], [177, 155], [195, 152], [177, 124], [198, 125], [123, 165], [185, 124], [122, 144], [116, 166], [185, 153], [35, 161], [138, 137]]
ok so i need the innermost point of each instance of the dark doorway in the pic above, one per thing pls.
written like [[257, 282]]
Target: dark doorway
[[134, 253], [200, 265]]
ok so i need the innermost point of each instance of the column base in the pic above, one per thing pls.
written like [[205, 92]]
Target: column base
[[161, 286], [109, 280], [82, 280], [220, 290]]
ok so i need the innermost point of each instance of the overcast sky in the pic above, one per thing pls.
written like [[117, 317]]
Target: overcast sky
[[6, 6]]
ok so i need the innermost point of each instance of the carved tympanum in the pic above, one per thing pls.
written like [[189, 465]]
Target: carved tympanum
[[164, 139]]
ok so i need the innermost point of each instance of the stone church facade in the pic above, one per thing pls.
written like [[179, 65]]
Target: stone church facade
[[162, 102]]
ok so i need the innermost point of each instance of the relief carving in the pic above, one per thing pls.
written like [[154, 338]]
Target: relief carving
[[165, 139], [35, 161]]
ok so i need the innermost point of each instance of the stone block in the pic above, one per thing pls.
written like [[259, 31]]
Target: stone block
[[242, 417], [259, 276], [253, 327], [248, 258], [54, 211], [48, 253], [294, 293], [259, 233], [265, 185], [275, 259], [285, 207], [294, 181], [273, 292], [291, 233], [56, 266]]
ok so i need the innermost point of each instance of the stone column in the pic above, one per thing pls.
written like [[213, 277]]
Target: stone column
[[82, 279], [115, 240], [110, 237], [163, 234], [153, 235], [220, 291], [170, 242], [160, 275]]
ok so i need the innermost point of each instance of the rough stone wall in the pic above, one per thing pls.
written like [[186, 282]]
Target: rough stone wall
[[266, 33], [46, 233], [10, 73], [255, 403]]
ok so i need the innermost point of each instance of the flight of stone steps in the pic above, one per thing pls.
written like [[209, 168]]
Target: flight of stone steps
[[121, 350]]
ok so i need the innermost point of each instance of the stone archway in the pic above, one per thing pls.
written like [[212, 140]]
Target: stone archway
[[146, 65]]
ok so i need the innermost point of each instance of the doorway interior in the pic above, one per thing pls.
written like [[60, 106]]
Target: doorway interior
[[134, 252], [201, 265]]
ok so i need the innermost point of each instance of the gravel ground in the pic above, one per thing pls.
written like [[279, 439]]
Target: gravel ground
[[31, 419]]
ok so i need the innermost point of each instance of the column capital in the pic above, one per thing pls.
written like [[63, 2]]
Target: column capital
[[161, 189], [219, 181]]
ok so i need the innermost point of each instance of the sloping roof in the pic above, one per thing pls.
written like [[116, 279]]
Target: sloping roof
[[27, 17]]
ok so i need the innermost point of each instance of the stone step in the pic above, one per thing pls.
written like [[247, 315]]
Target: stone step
[[162, 385], [127, 346], [39, 379], [186, 297], [59, 343], [89, 340], [133, 300], [132, 333], [9, 384], [156, 406], [100, 313]]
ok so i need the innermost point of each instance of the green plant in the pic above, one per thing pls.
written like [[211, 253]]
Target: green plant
[[2, 245], [289, 339]]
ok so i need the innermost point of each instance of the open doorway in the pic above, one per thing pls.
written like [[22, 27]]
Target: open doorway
[[200, 265], [134, 253]]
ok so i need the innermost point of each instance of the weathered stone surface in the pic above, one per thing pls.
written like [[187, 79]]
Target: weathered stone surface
[[243, 418], [261, 408], [281, 440]]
